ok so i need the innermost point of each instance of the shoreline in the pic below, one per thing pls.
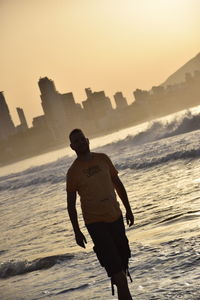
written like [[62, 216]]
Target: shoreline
[[100, 134], [63, 145]]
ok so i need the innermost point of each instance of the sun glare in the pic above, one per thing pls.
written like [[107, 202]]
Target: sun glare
[[160, 12]]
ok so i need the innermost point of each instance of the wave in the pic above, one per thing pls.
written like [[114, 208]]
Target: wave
[[146, 158], [162, 141], [52, 173], [190, 215], [13, 268], [80, 287], [161, 129], [144, 164], [40, 179], [2, 251]]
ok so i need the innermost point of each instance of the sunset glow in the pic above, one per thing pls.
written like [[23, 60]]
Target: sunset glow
[[116, 45]]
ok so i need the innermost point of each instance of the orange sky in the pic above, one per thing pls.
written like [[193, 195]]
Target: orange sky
[[111, 45]]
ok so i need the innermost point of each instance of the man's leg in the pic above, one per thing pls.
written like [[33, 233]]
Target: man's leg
[[109, 255], [120, 280]]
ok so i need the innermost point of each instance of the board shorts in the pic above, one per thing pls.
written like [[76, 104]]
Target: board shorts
[[110, 245]]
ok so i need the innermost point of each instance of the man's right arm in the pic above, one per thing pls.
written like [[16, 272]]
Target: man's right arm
[[71, 207]]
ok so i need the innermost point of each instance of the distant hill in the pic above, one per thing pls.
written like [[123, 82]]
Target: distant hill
[[179, 76]]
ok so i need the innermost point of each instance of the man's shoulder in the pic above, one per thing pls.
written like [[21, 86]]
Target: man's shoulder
[[100, 155], [76, 163], [72, 168], [106, 160]]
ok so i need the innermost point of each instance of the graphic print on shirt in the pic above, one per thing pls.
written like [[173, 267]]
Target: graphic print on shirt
[[92, 170]]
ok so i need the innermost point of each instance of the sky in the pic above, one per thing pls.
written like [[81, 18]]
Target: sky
[[110, 45]]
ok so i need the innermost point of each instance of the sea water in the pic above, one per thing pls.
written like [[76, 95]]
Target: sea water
[[159, 164]]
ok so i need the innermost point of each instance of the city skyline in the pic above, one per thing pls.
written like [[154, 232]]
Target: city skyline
[[96, 116], [112, 46], [117, 101]]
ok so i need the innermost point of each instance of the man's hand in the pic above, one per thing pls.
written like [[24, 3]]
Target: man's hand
[[80, 239], [129, 218]]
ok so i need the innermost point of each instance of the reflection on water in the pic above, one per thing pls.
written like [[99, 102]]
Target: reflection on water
[[37, 239]]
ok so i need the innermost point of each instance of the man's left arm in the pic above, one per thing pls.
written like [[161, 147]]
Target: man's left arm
[[124, 198]]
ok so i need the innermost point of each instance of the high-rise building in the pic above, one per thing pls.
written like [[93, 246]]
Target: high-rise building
[[22, 118], [52, 105], [97, 105], [141, 95], [120, 100], [88, 92], [97, 110], [47, 86], [68, 102], [7, 127], [73, 111]]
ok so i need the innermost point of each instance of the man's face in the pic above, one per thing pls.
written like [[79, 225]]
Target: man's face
[[79, 143]]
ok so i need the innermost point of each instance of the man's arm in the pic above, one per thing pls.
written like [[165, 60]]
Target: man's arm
[[123, 196], [71, 207]]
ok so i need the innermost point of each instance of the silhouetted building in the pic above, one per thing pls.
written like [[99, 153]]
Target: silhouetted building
[[97, 116], [120, 100], [39, 122], [97, 105], [52, 105], [41, 127], [7, 127], [140, 95], [68, 101], [158, 90], [73, 111], [88, 92], [23, 123], [97, 108], [47, 86]]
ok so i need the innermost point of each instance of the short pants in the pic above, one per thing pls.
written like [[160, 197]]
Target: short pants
[[110, 245]]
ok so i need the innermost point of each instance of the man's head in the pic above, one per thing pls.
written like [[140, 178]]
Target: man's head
[[78, 142]]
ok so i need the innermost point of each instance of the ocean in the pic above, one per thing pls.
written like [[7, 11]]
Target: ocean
[[159, 164]]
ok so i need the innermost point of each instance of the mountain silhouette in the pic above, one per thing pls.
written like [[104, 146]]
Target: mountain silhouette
[[179, 76]]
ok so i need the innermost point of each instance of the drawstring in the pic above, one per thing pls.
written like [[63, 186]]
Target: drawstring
[[112, 287], [129, 275], [112, 282]]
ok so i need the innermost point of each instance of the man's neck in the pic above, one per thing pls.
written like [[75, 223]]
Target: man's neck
[[84, 156]]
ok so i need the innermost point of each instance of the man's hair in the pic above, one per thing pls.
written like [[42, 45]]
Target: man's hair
[[74, 131]]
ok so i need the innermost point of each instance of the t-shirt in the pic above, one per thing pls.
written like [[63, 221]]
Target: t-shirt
[[92, 180]]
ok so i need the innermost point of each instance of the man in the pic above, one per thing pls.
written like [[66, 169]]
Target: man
[[95, 179]]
